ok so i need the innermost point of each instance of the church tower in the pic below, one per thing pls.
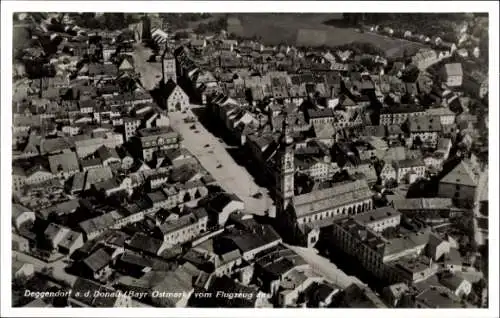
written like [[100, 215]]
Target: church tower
[[168, 67], [285, 168], [146, 28]]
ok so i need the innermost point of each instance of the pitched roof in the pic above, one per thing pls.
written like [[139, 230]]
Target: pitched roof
[[48, 145], [402, 109], [453, 69], [230, 256], [97, 260], [423, 204], [320, 113], [178, 283], [127, 62], [220, 200], [38, 167], [177, 224], [424, 124], [462, 174], [61, 208], [92, 162], [257, 236], [374, 130], [69, 239], [65, 162], [438, 297], [100, 222], [338, 195], [440, 111], [18, 209], [451, 281], [408, 242], [96, 175], [408, 163], [105, 153], [143, 242], [102, 69], [324, 131], [376, 215]]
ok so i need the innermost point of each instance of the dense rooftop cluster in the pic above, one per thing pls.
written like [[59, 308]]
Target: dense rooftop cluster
[[373, 161]]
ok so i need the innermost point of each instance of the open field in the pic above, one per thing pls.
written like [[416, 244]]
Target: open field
[[276, 28]]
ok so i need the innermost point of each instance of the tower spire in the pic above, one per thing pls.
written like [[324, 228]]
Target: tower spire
[[286, 138], [285, 167]]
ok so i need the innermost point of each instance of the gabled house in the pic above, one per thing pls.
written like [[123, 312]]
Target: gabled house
[[143, 243], [21, 215], [108, 156], [126, 64], [452, 74], [64, 165], [388, 173], [409, 170], [98, 265], [220, 206], [458, 285], [21, 269], [184, 228], [444, 114], [424, 129], [460, 182], [38, 174], [176, 98], [62, 239]]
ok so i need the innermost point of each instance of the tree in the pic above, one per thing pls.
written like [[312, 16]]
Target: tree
[[211, 27], [369, 63], [114, 21]]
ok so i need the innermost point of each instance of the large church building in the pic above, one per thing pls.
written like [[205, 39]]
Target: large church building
[[304, 214]]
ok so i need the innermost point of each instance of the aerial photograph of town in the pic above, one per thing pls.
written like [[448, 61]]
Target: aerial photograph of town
[[250, 160]]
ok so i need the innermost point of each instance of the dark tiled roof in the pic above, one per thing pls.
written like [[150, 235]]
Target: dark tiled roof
[[97, 260], [143, 242], [102, 69]]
